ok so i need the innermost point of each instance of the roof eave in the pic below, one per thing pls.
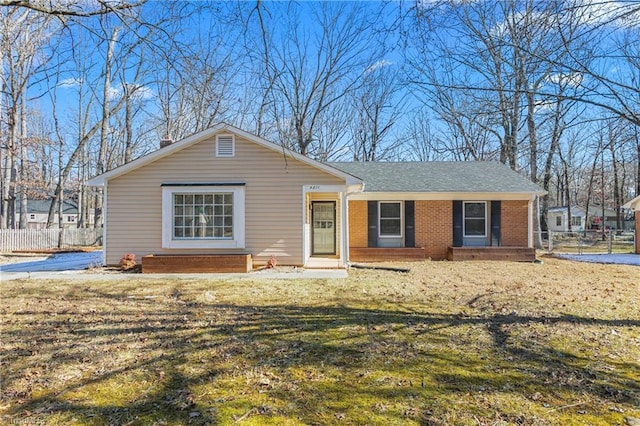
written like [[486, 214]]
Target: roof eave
[[102, 179], [452, 195]]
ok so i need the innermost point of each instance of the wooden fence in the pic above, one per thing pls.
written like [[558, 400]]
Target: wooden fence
[[43, 239]]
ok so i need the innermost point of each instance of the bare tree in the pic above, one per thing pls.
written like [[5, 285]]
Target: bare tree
[[479, 63], [23, 59], [193, 81], [377, 109], [76, 8], [308, 69]]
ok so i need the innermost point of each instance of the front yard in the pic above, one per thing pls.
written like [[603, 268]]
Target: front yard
[[480, 343]]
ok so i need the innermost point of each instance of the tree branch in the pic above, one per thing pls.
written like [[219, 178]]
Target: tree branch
[[104, 7]]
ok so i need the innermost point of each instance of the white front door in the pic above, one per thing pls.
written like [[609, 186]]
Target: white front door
[[323, 219]]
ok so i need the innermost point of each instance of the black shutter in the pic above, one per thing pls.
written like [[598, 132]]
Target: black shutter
[[409, 224], [495, 223], [457, 224], [372, 213]]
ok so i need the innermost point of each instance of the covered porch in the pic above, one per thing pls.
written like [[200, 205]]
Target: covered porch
[[325, 242]]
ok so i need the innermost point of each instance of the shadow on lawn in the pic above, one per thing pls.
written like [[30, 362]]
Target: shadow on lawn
[[179, 345]]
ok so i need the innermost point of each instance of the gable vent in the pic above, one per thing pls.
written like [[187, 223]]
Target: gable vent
[[225, 146]]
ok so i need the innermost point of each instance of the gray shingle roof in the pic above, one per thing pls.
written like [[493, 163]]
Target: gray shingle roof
[[42, 206], [440, 176]]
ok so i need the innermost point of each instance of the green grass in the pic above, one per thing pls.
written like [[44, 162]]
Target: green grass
[[448, 344]]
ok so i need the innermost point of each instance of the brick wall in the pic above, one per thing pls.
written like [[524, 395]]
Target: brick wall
[[358, 226], [514, 223], [434, 227]]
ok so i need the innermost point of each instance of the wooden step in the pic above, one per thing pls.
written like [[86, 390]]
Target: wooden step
[[514, 254], [196, 263]]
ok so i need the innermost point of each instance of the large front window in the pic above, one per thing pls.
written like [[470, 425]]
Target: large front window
[[390, 219], [475, 219], [202, 216]]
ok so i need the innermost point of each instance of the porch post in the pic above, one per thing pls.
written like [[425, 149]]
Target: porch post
[[104, 225], [344, 253], [305, 242]]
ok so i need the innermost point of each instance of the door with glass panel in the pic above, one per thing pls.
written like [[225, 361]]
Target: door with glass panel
[[323, 222]]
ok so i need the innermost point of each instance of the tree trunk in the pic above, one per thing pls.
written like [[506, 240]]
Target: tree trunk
[[23, 165], [104, 130]]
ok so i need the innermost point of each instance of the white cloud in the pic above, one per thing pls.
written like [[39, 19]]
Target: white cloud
[[113, 93], [571, 80], [377, 65], [615, 12], [142, 93], [71, 82]]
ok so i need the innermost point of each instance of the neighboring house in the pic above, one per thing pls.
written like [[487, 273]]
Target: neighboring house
[[38, 212], [225, 191], [634, 205], [558, 219]]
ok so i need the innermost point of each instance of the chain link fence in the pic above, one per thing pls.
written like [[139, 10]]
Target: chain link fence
[[596, 241]]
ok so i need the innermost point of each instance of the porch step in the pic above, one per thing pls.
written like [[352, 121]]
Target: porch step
[[515, 254], [386, 254], [196, 263]]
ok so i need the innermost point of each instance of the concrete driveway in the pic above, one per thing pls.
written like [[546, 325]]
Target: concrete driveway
[[57, 262], [618, 258]]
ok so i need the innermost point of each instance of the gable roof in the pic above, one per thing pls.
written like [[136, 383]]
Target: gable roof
[[102, 179], [42, 206], [594, 210], [440, 176]]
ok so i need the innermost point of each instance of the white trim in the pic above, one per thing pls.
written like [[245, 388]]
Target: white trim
[[306, 227], [325, 188], [342, 237], [344, 229], [464, 219], [238, 240], [401, 235], [444, 196], [104, 226], [205, 134], [233, 146]]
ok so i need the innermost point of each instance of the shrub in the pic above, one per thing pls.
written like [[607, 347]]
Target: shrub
[[128, 262]]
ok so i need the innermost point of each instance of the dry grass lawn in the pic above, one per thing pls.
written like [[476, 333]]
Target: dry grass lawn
[[479, 343]]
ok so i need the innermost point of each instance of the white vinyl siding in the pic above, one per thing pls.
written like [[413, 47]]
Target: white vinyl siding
[[273, 200], [225, 146]]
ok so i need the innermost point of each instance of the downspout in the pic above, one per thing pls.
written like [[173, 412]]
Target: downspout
[[305, 240], [345, 230]]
